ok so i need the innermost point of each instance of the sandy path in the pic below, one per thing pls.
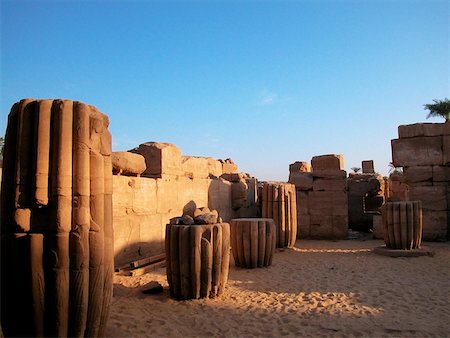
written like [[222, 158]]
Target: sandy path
[[318, 289]]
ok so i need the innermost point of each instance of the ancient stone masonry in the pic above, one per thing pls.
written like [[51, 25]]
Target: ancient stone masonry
[[423, 150], [253, 241], [169, 185], [365, 198], [197, 255], [402, 223], [56, 220], [322, 206], [279, 204]]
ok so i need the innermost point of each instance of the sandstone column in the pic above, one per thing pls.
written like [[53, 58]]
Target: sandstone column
[[56, 224]]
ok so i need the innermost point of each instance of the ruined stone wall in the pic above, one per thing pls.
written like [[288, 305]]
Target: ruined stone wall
[[170, 183], [423, 150], [322, 206]]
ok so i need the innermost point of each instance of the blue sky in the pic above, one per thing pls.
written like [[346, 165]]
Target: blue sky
[[265, 83]]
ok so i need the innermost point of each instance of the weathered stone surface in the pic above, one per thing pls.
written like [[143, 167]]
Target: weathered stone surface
[[329, 174], [128, 163], [302, 202], [441, 173], [302, 181], [421, 129], [432, 197], [304, 226], [160, 158], [299, 167], [195, 167], [228, 166], [367, 167], [329, 185], [328, 162], [446, 149], [233, 177], [239, 194], [321, 226], [214, 167], [207, 217], [434, 225], [328, 203], [418, 174], [378, 227], [418, 151]]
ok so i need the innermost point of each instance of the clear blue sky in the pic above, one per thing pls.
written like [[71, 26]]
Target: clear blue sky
[[265, 83]]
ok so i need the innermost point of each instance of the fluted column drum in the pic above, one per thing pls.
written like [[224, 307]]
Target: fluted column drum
[[402, 224], [279, 203], [198, 259], [56, 220], [253, 241]]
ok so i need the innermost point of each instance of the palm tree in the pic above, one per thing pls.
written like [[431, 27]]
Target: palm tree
[[440, 108], [355, 169], [393, 170]]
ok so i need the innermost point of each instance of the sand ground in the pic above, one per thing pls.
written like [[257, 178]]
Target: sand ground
[[317, 289]]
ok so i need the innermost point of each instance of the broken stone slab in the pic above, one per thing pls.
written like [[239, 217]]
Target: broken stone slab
[[423, 129], [128, 163]]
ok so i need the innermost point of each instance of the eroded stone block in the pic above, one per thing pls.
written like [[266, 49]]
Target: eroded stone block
[[302, 181], [160, 159], [418, 151], [328, 162]]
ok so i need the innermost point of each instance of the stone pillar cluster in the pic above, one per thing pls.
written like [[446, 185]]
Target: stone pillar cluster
[[56, 220], [322, 206], [423, 150]]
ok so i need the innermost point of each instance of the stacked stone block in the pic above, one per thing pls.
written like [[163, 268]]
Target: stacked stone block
[[322, 206], [423, 150], [56, 220]]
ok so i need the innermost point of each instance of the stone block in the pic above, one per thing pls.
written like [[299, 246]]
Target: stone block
[[302, 181], [417, 151], [160, 159], [122, 196], [214, 167], [446, 149], [328, 162], [219, 198], [434, 225], [128, 163], [232, 177], [144, 195], [303, 226], [329, 174], [191, 190], [195, 167], [441, 173], [418, 174], [228, 166], [329, 185], [421, 129], [167, 194], [321, 227], [328, 203], [367, 167], [299, 167], [433, 197], [302, 203], [378, 227], [340, 226]]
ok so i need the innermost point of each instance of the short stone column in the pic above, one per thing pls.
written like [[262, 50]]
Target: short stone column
[[198, 259], [253, 241], [402, 225], [56, 220], [279, 203]]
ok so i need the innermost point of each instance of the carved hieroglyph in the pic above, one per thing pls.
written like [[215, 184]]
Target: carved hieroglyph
[[56, 220], [279, 203]]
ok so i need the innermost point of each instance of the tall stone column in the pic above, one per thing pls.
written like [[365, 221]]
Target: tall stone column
[[56, 220]]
